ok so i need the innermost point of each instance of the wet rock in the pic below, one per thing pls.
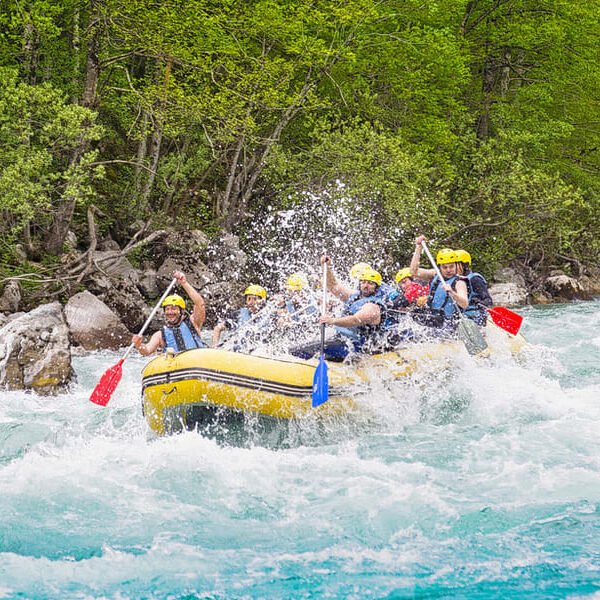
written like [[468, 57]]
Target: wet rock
[[508, 294], [11, 297], [185, 247], [221, 298], [509, 275], [115, 266], [197, 273], [562, 287], [93, 325], [148, 283], [123, 297], [590, 282], [35, 352], [541, 297]]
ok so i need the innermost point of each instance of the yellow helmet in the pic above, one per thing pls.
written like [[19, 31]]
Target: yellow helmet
[[296, 282], [256, 290], [174, 300], [370, 274], [403, 274], [357, 269], [446, 256], [463, 256]]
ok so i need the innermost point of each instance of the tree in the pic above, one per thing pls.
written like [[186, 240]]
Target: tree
[[39, 131]]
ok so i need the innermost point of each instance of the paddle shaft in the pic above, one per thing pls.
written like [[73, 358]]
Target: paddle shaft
[[320, 392], [324, 307], [149, 319]]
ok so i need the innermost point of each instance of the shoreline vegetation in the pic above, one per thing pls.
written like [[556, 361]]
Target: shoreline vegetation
[[238, 139]]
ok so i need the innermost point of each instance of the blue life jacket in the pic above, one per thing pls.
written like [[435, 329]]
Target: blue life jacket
[[439, 300], [182, 337], [252, 328], [391, 296], [259, 320], [244, 316], [364, 333], [477, 294], [390, 293], [311, 309]]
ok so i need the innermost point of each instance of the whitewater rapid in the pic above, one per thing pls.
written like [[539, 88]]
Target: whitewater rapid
[[478, 482]]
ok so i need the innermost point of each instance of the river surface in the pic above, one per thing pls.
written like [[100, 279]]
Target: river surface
[[478, 482]]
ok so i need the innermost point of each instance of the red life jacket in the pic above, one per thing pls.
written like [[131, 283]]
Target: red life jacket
[[415, 290]]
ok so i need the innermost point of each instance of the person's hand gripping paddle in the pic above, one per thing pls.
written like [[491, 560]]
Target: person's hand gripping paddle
[[468, 331]]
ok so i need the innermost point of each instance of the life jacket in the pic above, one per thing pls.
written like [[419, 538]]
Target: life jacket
[[182, 337], [414, 291], [365, 337], [297, 312], [391, 297], [477, 292], [252, 328], [389, 292], [244, 316], [438, 299], [405, 301]]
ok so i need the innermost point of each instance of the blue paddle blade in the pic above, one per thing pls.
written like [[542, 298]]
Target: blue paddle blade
[[320, 391]]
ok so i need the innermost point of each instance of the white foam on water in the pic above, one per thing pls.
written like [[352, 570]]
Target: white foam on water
[[478, 467]]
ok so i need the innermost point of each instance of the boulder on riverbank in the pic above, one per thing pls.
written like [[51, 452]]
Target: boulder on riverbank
[[11, 297], [92, 325], [509, 288], [563, 288], [35, 351]]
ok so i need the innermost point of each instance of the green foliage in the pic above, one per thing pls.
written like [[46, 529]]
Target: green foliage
[[475, 122], [374, 167], [39, 132], [503, 208]]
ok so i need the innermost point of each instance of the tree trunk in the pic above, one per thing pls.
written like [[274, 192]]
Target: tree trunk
[[61, 220], [30, 51], [92, 71], [76, 44], [488, 81], [163, 76], [247, 164], [155, 144]]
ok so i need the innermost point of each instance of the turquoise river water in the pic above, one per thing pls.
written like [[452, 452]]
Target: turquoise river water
[[482, 481]]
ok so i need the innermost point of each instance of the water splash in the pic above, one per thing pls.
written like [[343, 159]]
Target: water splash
[[282, 242]]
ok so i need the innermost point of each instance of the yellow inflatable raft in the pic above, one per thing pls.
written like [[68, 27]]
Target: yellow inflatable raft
[[191, 389]]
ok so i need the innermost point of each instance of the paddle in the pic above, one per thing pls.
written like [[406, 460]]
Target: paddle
[[320, 391], [505, 319], [112, 376], [467, 330]]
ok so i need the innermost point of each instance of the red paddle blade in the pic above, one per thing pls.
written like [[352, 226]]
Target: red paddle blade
[[107, 384], [506, 319]]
